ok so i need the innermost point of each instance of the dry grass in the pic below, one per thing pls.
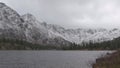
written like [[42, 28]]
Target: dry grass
[[108, 61]]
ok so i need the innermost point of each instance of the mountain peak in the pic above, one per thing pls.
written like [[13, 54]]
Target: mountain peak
[[2, 4], [28, 17], [8, 15]]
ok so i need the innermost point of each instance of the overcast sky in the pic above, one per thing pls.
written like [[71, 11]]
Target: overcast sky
[[71, 13]]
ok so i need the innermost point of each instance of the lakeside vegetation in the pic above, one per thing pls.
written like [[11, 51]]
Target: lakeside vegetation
[[108, 61], [14, 44]]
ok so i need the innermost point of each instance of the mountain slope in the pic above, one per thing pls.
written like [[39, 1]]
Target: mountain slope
[[10, 23], [28, 28], [83, 35], [35, 32]]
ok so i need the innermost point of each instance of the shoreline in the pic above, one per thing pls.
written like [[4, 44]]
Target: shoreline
[[110, 60], [58, 50]]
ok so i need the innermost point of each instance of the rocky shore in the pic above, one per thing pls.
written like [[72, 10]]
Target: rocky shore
[[108, 61]]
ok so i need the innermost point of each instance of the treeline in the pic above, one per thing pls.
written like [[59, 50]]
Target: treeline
[[14, 44], [106, 45]]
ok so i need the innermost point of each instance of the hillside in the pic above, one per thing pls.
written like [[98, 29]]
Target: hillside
[[27, 27], [108, 61]]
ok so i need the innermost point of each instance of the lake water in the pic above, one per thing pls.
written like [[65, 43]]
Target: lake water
[[48, 59]]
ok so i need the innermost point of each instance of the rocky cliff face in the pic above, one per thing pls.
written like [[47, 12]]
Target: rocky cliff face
[[37, 33], [10, 23]]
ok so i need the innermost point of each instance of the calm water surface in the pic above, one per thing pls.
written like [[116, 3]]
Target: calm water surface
[[48, 59]]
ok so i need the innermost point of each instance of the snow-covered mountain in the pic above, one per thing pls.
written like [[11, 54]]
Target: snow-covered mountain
[[10, 23], [73, 35], [37, 33], [83, 35], [27, 27]]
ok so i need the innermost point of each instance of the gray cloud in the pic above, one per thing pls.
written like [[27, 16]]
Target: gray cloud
[[71, 13]]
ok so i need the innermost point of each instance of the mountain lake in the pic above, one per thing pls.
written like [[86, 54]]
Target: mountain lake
[[49, 59]]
